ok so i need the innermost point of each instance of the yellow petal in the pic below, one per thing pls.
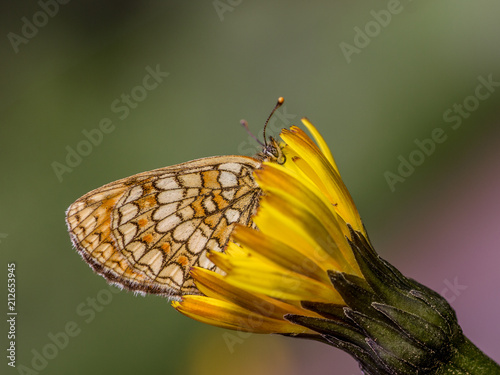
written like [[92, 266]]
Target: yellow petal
[[321, 142], [323, 174], [214, 285], [298, 228], [300, 192], [228, 315], [279, 253], [259, 277]]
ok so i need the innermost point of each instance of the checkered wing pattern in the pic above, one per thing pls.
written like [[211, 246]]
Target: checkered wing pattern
[[145, 232]]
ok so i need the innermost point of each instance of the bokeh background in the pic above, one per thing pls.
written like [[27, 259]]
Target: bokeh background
[[227, 60]]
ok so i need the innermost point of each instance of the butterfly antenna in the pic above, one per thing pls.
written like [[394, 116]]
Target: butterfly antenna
[[281, 100], [244, 123]]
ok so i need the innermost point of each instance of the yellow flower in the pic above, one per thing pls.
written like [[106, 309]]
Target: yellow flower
[[309, 271], [303, 222]]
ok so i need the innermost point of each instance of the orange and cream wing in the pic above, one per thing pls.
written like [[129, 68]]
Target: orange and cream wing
[[145, 232]]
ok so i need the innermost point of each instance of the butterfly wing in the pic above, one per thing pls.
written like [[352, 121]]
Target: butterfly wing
[[145, 232]]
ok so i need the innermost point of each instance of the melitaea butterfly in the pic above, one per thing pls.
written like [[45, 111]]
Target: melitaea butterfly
[[146, 231]]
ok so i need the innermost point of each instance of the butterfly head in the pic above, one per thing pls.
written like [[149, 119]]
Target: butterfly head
[[272, 151]]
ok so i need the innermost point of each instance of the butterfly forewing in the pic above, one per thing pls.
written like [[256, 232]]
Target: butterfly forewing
[[145, 232]]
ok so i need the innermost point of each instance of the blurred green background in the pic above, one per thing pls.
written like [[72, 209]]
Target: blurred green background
[[370, 96]]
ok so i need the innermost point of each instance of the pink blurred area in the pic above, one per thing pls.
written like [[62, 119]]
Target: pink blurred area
[[452, 240]]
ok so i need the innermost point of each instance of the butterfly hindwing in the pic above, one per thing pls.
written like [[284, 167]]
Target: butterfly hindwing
[[145, 232]]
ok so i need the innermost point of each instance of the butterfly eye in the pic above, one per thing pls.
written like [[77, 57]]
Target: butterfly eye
[[273, 153]]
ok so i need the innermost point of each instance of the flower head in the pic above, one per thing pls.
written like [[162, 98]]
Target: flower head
[[302, 226], [310, 271]]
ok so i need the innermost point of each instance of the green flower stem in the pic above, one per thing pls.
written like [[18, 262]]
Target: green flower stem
[[469, 360]]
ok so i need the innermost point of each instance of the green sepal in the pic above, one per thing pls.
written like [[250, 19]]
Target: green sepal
[[391, 339], [429, 334], [391, 363], [341, 330], [355, 291], [365, 359], [327, 310]]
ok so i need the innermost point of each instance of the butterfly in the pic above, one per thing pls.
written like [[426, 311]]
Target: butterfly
[[145, 232]]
